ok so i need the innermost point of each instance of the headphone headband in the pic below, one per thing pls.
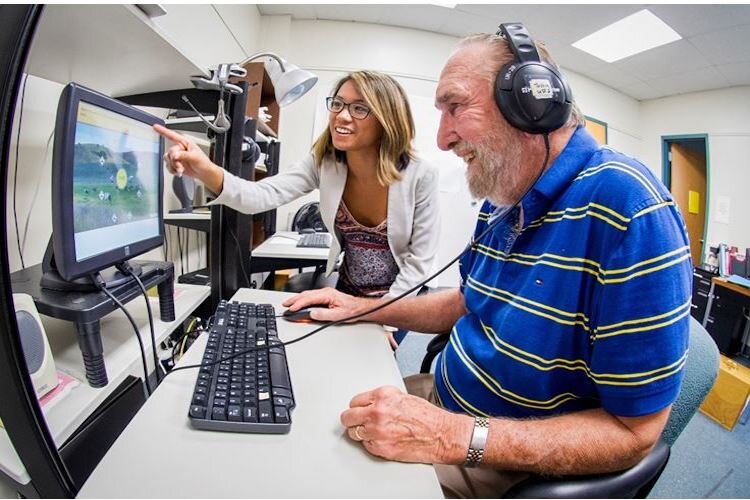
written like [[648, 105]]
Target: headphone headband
[[530, 93], [519, 39]]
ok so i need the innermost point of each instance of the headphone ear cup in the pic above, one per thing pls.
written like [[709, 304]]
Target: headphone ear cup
[[533, 97]]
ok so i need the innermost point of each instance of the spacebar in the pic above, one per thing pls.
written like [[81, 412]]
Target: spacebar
[[279, 373]]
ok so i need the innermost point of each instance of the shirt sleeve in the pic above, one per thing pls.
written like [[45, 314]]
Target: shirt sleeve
[[253, 197], [642, 311]]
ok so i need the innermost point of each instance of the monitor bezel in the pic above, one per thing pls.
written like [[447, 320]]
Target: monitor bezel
[[63, 230]]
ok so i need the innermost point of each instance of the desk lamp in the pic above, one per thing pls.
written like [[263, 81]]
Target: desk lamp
[[289, 82]]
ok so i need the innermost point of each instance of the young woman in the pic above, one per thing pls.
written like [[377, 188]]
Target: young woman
[[376, 197]]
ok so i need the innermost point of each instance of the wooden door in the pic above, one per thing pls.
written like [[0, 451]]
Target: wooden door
[[597, 129], [688, 174]]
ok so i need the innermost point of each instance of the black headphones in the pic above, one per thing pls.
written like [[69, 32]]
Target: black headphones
[[531, 94]]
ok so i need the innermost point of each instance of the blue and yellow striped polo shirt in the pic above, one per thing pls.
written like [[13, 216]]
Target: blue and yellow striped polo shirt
[[584, 306]]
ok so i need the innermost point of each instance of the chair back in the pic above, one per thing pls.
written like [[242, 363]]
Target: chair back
[[308, 217], [700, 372]]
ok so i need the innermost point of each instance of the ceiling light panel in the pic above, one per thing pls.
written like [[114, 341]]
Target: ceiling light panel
[[632, 35]]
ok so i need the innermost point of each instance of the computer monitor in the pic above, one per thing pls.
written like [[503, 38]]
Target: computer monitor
[[107, 185]]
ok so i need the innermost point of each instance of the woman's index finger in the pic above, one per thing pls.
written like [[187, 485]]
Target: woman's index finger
[[172, 136]]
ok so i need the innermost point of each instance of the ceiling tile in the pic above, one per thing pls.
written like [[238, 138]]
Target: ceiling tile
[[422, 17], [692, 20], [736, 74], [726, 46], [296, 11], [693, 81], [675, 57], [613, 77], [566, 23], [643, 91]]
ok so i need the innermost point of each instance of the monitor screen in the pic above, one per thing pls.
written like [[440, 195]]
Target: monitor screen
[[107, 182]]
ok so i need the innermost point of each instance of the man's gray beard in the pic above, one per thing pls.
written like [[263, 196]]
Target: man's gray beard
[[496, 175]]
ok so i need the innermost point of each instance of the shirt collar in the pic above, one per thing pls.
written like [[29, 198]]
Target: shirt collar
[[572, 159]]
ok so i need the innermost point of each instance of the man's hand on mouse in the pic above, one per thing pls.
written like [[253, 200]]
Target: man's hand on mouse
[[331, 304]]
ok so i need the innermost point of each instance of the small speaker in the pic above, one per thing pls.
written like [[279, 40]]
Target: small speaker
[[36, 349]]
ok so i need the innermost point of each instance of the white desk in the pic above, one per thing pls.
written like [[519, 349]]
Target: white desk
[[280, 251], [160, 455], [122, 357], [283, 245]]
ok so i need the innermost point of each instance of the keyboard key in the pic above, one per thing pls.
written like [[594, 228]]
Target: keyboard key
[[279, 392], [198, 411], [234, 413], [281, 414], [218, 413], [250, 414], [285, 402], [264, 412], [279, 374]]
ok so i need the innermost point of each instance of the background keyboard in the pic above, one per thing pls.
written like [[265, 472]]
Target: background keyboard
[[248, 393], [315, 240]]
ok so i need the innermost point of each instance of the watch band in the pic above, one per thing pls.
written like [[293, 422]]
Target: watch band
[[478, 442]]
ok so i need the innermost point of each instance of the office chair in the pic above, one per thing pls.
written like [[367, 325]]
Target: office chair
[[308, 217], [701, 369]]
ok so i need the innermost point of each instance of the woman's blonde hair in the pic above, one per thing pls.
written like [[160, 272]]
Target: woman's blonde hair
[[390, 106]]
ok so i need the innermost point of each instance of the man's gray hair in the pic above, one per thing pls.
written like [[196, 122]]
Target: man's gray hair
[[502, 55]]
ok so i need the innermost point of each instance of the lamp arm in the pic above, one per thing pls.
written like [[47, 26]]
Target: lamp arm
[[265, 54]]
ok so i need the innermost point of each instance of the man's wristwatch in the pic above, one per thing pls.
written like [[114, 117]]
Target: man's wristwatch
[[478, 442]]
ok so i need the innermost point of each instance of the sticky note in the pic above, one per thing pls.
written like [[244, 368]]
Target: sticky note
[[694, 202]]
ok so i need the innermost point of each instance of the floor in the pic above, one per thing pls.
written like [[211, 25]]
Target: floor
[[707, 461]]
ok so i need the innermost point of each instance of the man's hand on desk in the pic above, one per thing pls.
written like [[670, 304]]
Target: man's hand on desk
[[339, 305], [397, 426]]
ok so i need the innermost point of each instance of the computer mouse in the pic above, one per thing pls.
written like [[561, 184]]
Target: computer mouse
[[307, 230], [302, 315]]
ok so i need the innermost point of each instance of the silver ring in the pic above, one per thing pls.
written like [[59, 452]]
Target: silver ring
[[357, 436]]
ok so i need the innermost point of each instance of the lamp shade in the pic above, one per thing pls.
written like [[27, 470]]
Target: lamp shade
[[291, 84]]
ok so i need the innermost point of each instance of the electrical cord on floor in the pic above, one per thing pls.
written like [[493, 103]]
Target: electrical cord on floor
[[96, 277], [501, 217], [126, 268]]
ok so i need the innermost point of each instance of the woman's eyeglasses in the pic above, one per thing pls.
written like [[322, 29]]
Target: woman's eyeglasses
[[356, 109]]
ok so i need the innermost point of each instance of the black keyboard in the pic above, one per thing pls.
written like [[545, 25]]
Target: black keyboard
[[251, 392], [315, 240]]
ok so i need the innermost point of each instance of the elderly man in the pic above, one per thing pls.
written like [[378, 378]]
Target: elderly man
[[569, 332]]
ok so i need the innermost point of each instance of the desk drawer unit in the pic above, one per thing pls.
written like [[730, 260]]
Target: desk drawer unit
[[701, 289]]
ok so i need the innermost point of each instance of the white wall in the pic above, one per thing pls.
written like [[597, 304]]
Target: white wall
[[723, 115], [621, 113]]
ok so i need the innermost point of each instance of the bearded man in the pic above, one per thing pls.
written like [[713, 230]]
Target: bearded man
[[569, 331]]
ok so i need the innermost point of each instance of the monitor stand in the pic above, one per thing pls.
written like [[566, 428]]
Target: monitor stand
[[52, 280], [85, 308]]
